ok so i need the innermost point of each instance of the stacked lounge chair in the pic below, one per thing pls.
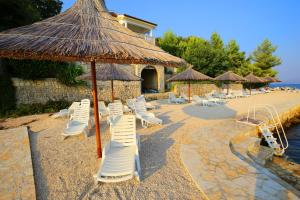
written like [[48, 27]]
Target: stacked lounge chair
[[120, 157]]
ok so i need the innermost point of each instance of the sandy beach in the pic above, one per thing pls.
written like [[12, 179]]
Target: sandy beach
[[64, 169]]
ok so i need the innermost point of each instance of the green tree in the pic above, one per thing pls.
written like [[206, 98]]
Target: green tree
[[170, 43], [236, 59], [264, 59], [48, 8], [17, 13]]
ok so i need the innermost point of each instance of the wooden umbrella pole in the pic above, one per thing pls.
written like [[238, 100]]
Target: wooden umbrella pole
[[96, 112], [189, 91], [112, 91]]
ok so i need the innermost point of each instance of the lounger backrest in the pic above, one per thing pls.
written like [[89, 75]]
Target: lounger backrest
[[74, 106], [141, 98], [123, 131], [101, 105], [140, 107], [130, 103], [115, 109], [82, 114]]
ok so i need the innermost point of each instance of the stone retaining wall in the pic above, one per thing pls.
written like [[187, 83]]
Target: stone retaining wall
[[201, 89], [41, 91]]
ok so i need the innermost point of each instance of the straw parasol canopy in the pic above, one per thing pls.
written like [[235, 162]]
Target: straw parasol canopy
[[85, 32], [269, 79], [190, 75], [277, 80], [111, 72], [229, 77], [251, 78]]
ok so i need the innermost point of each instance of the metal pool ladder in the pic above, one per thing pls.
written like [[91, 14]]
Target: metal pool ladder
[[267, 128]]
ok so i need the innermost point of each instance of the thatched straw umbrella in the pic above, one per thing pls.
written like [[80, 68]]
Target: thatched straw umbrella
[[251, 78], [190, 75], [269, 79], [229, 77], [85, 32], [111, 72], [277, 80]]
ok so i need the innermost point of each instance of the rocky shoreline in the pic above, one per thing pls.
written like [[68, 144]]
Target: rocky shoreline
[[285, 169]]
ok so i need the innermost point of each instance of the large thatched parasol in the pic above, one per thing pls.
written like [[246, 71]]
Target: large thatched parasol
[[190, 75], [111, 72], [251, 78], [85, 32], [229, 77]]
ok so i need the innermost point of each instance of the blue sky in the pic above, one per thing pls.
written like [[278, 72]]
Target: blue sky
[[248, 22]]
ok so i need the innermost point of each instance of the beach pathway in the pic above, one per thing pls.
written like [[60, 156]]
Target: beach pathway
[[16, 174]]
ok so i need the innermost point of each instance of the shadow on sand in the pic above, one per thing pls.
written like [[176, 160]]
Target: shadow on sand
[[209, 113], [154, 149]]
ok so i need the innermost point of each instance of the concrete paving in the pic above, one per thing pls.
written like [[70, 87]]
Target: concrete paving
[[220, 173], [16, 174]]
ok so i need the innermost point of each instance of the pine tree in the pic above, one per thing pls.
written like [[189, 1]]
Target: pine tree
[[264, 59]]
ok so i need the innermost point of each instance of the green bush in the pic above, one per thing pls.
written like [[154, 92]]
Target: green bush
[[7, 91], [38, 70], [37, 108]]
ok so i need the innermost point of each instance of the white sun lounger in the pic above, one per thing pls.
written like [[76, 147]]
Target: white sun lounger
[[120, 157], [103, 111], [146, 118], [79, 121], [148, 105], [114, 110], [66, 112], [210, 98], [174, 99], [130, 104], [125, 108], [203, 102]]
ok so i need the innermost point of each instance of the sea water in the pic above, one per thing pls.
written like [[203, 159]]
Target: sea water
[[291, 85], [293, 151]]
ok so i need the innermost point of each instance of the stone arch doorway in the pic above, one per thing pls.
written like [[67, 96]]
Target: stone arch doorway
[[150, 80]]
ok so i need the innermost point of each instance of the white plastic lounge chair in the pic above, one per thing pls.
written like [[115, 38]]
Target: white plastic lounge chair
[[114, 110], [148, 105], [120, 157], [146, 118], [203, 102], [125, 108], [174, 99], [186, 98], [103, 111], [210, 98], [66, 112], [79, 121], [130, 104]]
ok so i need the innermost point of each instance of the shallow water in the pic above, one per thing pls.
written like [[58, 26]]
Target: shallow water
[[293, 136]]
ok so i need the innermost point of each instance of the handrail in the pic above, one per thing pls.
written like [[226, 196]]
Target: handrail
[[272, 111]]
